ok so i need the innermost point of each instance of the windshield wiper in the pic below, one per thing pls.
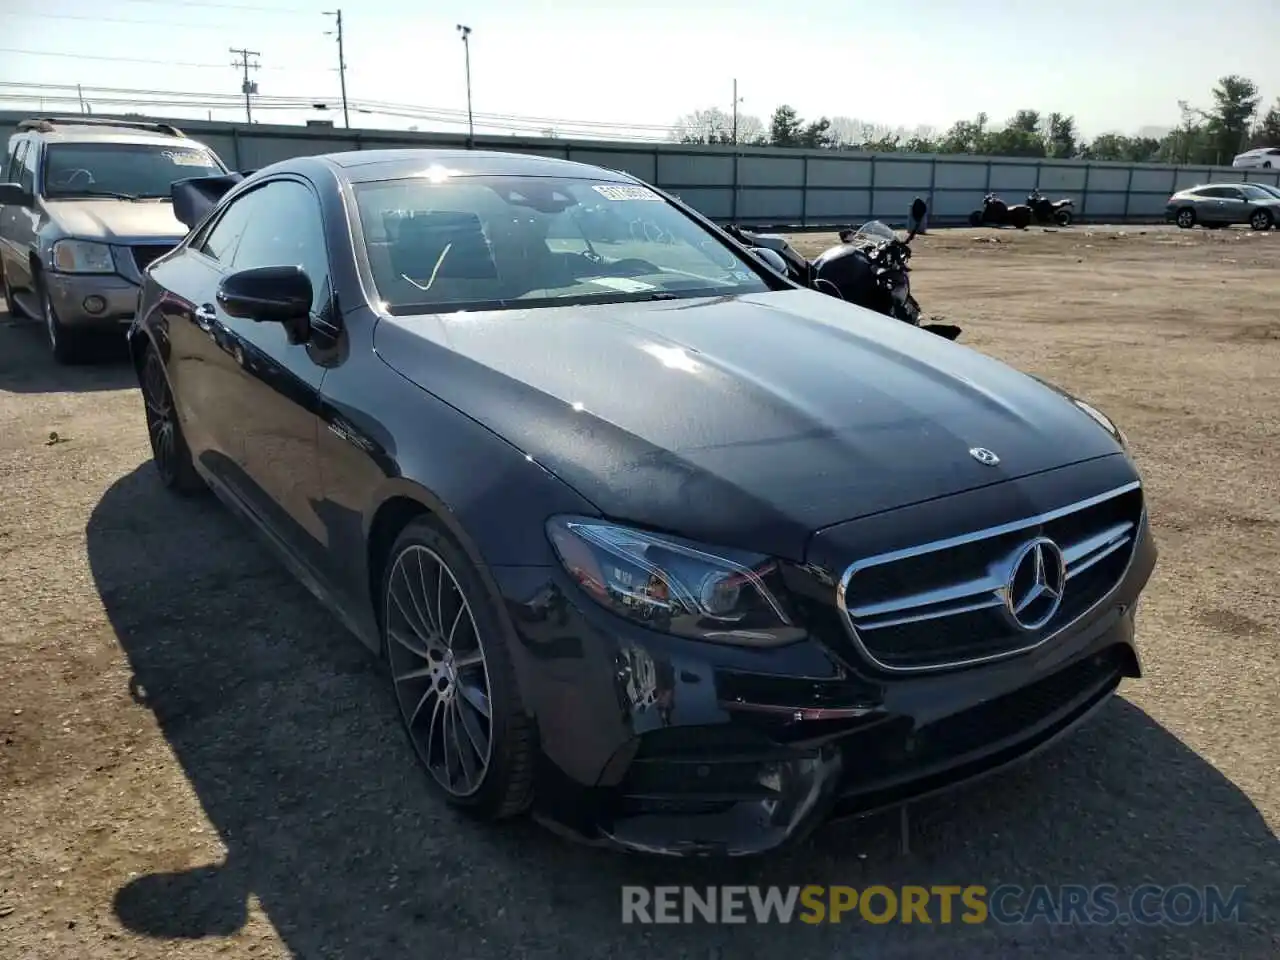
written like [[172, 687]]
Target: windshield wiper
[[81, 194]]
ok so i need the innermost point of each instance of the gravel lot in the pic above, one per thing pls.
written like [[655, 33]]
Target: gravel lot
[[196, 761]]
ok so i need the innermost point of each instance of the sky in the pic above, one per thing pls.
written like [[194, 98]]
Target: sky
[[575, 66]]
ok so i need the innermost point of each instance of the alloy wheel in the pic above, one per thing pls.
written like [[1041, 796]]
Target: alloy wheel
[[1186, 218], [1260, 220], [439, 671], [161, 423]]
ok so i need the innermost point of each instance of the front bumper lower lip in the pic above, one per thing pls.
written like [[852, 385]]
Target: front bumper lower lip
[[69, 291], [817, 791]]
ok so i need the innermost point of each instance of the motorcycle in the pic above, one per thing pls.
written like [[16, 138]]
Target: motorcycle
[[869, 268], [1048, 211], [995, 212]]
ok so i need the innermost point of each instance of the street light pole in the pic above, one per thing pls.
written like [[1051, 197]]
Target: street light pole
[[471, 127]]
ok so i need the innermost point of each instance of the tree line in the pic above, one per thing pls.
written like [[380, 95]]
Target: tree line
[[1214, 134]]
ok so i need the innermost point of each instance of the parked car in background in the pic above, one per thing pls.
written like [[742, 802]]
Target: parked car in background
[[1265, 157], [1217, 205], [85, 206], [678, 554]]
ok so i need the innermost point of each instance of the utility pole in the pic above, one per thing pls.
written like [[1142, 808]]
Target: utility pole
[[342, 64], [736, 100], [471, 127], [247, 86]]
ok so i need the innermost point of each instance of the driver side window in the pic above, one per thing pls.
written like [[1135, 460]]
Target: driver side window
[[287, 229]]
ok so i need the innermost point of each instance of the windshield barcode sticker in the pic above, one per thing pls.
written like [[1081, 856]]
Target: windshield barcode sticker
[[614, 192], [188, 158]]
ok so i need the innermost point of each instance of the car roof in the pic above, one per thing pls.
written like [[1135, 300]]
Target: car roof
[[365, 166]]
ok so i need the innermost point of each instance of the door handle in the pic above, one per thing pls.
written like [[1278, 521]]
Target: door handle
[[205, 316]]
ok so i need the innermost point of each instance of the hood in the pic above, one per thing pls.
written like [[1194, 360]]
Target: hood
[[741, 421], [116, 221]]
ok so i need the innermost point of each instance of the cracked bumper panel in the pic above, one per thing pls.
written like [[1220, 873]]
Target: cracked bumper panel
[[667, 745]]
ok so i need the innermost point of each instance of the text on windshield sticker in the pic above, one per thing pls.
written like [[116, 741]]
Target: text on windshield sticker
[[614, 192], [188, 158]]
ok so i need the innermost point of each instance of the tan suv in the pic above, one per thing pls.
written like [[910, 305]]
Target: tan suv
[[84, 209]]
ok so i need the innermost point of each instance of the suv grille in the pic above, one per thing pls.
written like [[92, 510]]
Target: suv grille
[[146, 254], [948, 604]]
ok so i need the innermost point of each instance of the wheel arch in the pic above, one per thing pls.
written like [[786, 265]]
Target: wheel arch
[[401, 502]]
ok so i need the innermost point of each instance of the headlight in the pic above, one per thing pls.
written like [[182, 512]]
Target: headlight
[[677, 587], [1103, 421], [82, 256]]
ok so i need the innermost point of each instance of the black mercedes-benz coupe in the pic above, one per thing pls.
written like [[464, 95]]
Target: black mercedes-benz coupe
[[677, 555]]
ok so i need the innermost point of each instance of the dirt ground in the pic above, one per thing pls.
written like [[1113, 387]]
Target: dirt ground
[[196, 761]]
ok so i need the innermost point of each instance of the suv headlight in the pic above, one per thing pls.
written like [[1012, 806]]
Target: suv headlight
[[675, 586], [82, 256]]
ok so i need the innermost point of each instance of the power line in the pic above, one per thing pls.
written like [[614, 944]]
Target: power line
[[155, 99], [148, 60], [365, 105], [222, 6], [96, 19]]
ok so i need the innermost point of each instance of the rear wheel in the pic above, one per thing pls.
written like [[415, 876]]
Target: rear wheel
[[1186, 218], [1260, 220], [169, 450], [453, 677], [1063, 217]]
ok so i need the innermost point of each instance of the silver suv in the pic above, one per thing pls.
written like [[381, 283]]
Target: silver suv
[[85, 207]]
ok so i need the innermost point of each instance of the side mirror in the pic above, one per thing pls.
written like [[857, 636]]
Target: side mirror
[[14, 194], [772, 259], [268, 295]]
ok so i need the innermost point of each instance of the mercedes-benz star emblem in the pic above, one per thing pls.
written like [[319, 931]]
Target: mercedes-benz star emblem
[[984, 456], [1036, 580]]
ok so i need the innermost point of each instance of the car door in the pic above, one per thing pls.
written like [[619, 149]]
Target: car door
[[18, 224], [204, 371], [1209, 207], [277, 382], [1233, 204]]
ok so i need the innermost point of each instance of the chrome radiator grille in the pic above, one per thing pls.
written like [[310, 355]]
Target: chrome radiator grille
[[992, 593]]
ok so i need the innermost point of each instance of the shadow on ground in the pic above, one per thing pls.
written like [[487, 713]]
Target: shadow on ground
[[285, 729], [27, 366]]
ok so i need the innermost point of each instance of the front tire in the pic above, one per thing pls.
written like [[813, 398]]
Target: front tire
[[1186, 218], [67, 346], [452, 676], [1260, 220], [975, 218], [169, 450]]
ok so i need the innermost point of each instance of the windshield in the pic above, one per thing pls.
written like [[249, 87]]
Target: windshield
[[500, 242], [130, 170], [874, 230]]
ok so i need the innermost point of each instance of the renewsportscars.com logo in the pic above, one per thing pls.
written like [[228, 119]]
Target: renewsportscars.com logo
[[1069, 904]]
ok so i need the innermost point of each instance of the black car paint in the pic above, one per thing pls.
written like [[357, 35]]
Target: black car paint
[[329, 445]]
